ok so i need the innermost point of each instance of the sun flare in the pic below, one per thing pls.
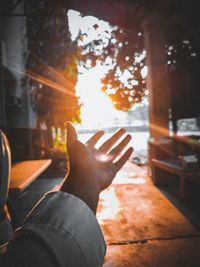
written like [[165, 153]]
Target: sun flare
[[97, 109]]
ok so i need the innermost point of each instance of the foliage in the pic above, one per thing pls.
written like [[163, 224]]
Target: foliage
[[51, 65], [183, 58], [123, 51], [183, 43], [54, 57]]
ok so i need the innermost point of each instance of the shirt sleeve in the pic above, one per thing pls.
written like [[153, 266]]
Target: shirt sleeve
[[67, 228]]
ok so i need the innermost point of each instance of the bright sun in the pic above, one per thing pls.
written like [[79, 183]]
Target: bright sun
[[97, 110]]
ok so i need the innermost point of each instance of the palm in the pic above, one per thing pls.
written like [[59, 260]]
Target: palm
[[102, 163], [91, 169]]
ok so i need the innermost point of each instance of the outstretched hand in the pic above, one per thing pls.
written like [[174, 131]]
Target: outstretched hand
[[91, 169]]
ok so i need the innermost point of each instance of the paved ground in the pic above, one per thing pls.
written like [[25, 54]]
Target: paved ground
[[142, 227], [168, 253]]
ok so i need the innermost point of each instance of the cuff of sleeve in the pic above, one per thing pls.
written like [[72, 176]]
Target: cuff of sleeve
[[69, 229]]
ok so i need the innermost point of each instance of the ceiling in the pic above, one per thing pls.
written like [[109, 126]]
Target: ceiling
[[124, 13]]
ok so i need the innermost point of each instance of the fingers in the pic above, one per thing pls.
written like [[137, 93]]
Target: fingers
[[119, 148], [120, 162], [106, 146], [71, 135], [95, 138]]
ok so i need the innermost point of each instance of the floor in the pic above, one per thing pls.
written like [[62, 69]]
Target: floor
[[142, 225]]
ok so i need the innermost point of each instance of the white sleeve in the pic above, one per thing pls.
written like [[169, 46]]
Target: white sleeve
[[69, 229]]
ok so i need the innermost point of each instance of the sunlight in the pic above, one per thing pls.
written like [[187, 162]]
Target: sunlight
[[45, 81], [97, 109], [103, 157], [109, 206], [124, 177]]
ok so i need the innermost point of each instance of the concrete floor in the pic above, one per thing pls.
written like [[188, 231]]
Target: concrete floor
[[169, 253], [142, 227], [140, 224]]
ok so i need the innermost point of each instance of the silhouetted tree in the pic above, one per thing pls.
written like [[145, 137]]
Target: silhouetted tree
[[124, 51], [52, 64], [183, 58]]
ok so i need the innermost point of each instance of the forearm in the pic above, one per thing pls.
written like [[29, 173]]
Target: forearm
[[89, 196], [68, 230]]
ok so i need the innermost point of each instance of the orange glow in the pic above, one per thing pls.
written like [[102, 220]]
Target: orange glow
[[165, 132], [54, 85], [130, 181], [159, 129], [49, 83], [62, 79], [109, 206], [130, 178]]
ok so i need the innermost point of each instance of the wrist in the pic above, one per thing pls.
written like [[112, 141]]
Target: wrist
[[85, 192]]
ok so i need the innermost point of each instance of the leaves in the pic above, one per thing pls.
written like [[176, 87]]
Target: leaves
[[124, 52], [53, 58]]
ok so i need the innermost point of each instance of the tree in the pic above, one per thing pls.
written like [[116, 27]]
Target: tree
[[52, 64], [183, 59], [123, 51]]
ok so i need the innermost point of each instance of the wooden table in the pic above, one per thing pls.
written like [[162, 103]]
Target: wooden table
[[25, 172]]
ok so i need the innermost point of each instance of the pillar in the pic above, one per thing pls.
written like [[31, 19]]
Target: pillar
[[158, 82]]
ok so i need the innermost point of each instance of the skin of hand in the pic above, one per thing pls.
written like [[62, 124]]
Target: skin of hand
[[91, 170]]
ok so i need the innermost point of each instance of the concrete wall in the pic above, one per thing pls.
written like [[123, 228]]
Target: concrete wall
[[20, 120], [14, 48]]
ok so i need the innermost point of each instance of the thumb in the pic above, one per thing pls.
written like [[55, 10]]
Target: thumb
[[71, 135]]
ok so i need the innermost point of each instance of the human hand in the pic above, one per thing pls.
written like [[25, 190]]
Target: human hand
[[91, 169]]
